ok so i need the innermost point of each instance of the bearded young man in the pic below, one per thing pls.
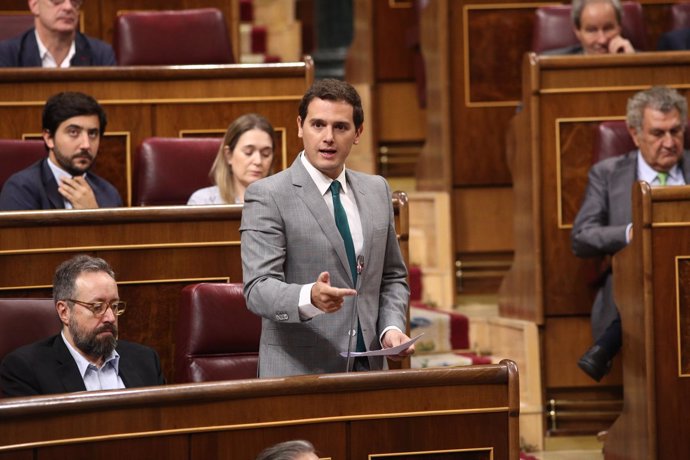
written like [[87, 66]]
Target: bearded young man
[[73, 125], [87, 354]]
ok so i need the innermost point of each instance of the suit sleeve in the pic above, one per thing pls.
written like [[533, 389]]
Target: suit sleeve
[[394, 295], [592, 235], [17, 377], [16, 196], [264, 252]]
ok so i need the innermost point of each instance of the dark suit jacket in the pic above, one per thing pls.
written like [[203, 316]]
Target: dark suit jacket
[[675, 40], [22, 51], [35, 188], [600, 225], [47, 367]]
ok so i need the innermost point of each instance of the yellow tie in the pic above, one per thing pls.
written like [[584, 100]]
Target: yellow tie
[[662, 176]]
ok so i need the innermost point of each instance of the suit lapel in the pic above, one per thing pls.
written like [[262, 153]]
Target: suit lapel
[[50, 186], [67, 369], [685, 166], [314, 201]]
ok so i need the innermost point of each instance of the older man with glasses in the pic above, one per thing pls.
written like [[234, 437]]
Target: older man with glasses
[[55, 41], [87, 354]]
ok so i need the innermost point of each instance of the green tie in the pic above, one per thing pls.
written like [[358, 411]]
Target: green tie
[[662, 176], [344, 229]]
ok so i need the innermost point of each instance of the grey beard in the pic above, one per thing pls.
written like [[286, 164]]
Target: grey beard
[[90, 345]]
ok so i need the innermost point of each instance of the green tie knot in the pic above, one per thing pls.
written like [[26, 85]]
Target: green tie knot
[[662, 176]]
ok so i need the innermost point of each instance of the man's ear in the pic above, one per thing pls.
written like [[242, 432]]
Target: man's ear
[[48, 139], [633, 133], [299, 126], [33, 6], [63, 311], [358, 133]]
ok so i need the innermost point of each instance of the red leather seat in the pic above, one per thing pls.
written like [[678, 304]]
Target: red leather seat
[[217, 337], [553, 27], [24, 321], [172, 37], [613, 139], [12, 25], [167, 170], [16, 155], [680, 15]]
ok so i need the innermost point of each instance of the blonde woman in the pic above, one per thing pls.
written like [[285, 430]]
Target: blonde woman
[[245, 156]]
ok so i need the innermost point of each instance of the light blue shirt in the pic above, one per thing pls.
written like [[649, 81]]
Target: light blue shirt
[[106, 377]]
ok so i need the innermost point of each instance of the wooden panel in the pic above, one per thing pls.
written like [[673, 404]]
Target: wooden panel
[[399, 117], [159, 101], [650, 284], [394, 30], [565, 339], [480, 217], [471, 410]]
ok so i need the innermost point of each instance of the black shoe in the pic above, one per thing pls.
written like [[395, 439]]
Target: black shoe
[[595, 362]]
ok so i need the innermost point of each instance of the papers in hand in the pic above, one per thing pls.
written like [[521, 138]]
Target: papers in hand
[[385, 352]]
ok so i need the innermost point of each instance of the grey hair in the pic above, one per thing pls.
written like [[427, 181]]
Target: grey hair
[[67, 273], [578, 5], [659, 98], [288, 450]]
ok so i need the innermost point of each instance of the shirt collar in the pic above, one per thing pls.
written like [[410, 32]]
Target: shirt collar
[[647, 174], [322, 181], [47, 59], [83, 364]]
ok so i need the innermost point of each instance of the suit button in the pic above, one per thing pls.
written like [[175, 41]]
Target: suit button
[[281, 316], [353, 332]]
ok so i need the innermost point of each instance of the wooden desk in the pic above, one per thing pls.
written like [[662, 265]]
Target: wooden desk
[[154, 251], [160, 101], [565, 98], [467, 413], [652, 290]]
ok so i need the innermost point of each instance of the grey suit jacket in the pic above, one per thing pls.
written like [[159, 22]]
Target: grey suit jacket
[[289, 237], [600, 225]]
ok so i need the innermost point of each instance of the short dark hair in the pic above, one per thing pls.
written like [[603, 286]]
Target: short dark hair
[[67, 273], [68, 104], [288, 450], [578, 5], [330, 89]]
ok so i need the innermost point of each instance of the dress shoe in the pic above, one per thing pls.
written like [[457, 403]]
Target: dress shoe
[[595, 362]]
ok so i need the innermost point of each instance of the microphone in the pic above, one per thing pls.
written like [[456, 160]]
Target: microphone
[[360, 268]]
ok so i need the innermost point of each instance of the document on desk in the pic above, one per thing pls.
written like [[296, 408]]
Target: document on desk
[[385, 352]]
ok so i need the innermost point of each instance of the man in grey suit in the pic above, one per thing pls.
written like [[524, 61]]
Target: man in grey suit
[[656, 120], [321, 293]]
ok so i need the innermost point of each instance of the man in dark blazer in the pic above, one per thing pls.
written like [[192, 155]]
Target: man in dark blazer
[[656, 119], [87, 354], [73, 125], [55, 41], [320, 293], [675, 40]]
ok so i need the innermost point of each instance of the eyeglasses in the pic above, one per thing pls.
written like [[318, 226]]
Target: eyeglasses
[[99, 308], [76, 4]]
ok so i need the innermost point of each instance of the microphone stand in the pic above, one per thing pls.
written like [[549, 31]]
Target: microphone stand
[[360, 267]]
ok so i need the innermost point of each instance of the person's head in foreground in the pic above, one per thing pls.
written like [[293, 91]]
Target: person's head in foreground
[[289, 450]]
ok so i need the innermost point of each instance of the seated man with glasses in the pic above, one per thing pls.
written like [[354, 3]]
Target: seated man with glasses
[[55, 40], [87, 354]]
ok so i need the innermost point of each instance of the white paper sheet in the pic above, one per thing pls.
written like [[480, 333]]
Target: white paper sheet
[[385, 352]]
